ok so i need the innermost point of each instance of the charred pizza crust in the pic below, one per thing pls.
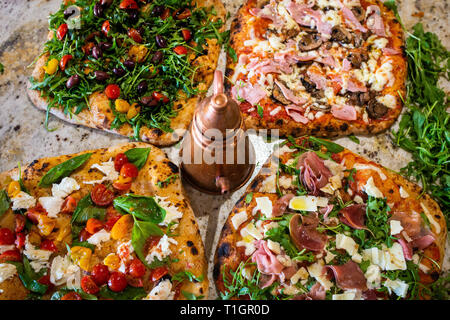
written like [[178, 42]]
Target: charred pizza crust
[[245, 24], [229, 255], [188, 253], [100, 115]]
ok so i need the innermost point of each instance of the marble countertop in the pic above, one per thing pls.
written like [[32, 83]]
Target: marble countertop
[[23, 137]]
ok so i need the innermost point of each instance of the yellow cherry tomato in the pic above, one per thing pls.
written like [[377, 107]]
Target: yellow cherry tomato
[[52, 66], [133, 111], [81, 256], [45, 225], [13, 189], [112, 261], [122, 227], [122, 106]]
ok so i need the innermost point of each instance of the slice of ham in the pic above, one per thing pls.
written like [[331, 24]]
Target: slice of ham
[[355, 86], [351, 20], [313, 172], [391, 51], [349, 276], [248, 92], [266, 280], [413, 226], [288, 272], [268, 12], [325, 211], [271, 66], [346, 65], [301, 13], [344, 112], [295, 112], [288, 94], [281, 204], [326, 58], [354, 216], [407, 249], [311, 239], [265, 260], [370, 294], [317, 292], [317, 77], [423, 241], [374, 21]]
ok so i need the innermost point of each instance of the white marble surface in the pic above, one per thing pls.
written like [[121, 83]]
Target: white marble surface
[[23, 137]]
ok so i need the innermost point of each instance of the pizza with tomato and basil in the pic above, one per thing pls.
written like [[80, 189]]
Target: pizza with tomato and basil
[[131, 67], [111, 223], [320, 222], [322, 67]]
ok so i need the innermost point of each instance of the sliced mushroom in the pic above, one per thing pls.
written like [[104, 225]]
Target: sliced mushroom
[[341, 35], [358, 40], [356, 58], [310, 42], [376, 109], [309, 86], [278, 95], [320, 107], [359, 13]]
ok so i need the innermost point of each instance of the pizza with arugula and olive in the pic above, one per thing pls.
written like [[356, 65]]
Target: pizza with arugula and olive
[[136, 68], [322, 67], [111, 223], [320, 222]]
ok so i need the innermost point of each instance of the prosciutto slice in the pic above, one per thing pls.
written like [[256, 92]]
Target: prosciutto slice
[[266, 261], [281, 204], [412, 225], [407, 249], [349, 276], [295, 112], [288, 94], [313, 172], [343, 112], [391, 51], [354, 216], [302, 14], [423, 241], [306, 236], [374, 21], [317, 292], [248, 92]]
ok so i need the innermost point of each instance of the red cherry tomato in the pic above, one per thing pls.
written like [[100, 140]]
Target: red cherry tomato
[[112, 215], [183, 15], [20, 240], [121, 186], [34, 212], [119, 161], [152, 241], [64, 60], [137, 268], [129, 170], [88, 285], [165, 14], [71, 296], [102, 196], [45, 279], [135, 282], [180, 50], [128, 4], [117, 281], [112, 91], [158, 273], [10, 255], [69, 205], [159, 96], [84, 235], [106, 27], [100, 274], [20, 222], [93, 225], [48, 245], [6, 236], [61, 31], [135, 35], [186, 34]]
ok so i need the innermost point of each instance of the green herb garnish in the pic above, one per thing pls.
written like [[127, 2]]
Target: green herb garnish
[[63, 169]]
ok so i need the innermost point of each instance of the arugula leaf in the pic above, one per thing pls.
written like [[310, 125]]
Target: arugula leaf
[[130, 293], [86, 209], [156, 263], [63, 169], [138, 156], [281, 235], [191, 296], [260, 111], [142, 207], [4, 202], [166, 182], [249, 197], [354, 138], [331, 146], [83, 244], [183, 275], [2, 68], [142, 230]]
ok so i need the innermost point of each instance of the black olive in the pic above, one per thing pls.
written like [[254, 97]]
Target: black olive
[[105, 45], [129, 64], [133, 15], [157, 57], [158, 10], [119, 71], [73, 81], [106, 3], [101, 75], [149, 101], [142, 87], [97, 52], [98, 10], [161, 41]]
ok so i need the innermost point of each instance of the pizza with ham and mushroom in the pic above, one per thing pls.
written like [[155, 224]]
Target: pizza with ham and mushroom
[[111, 223], [322, 67], [320, 222]]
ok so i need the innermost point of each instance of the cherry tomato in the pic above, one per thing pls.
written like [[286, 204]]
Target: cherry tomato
[[89, 286], [106, 27], [129, 170], [128, 4], [135, 282], [119, 161], [93, 225], [64, 60], [180, 50], [20, 240], [84, 235], [71, 296], [135, 35], [69, 205], [48, 245], [159, 96], [183, 15], [177, 291], [112, 91], [186, 34], [20, 222], [61, 31], [112, 215], [165, 14], [6, 236], [137, 268], [34, 212], [10, 255], [158, 273], [100, 274], [45, 280], [117, 281], [152, 241], [102, 196], [121, 186]]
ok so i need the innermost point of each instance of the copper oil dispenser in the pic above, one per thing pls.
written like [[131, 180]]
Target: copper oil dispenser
[[217, 155]]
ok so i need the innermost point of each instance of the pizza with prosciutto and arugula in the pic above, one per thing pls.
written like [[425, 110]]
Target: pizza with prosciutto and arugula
[[322, 67], [131, 67], [111, 223], [320, 222]]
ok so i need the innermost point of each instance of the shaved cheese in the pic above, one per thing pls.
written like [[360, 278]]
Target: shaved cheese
[[360, 166], [274, 246], [301, 274], [307, 203], [238, 219], [252, 231], [403, 193], [399, 287], [107, 168], [7, 271], [269, 185], [316, 270], [263, 204], [346, 243], [373, 276], [372, 190], [433, 222], [396, 227]]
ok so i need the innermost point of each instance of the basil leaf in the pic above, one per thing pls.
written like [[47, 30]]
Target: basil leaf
[[260, 111], [62, 170], [156, 263], [141, 231], [354, 138], [331, 146], [83, 244], [4, 202], [29, 277], [130, 293], [182, 275], [63, 291], [141, 207], [86, 209], [138, 156]]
